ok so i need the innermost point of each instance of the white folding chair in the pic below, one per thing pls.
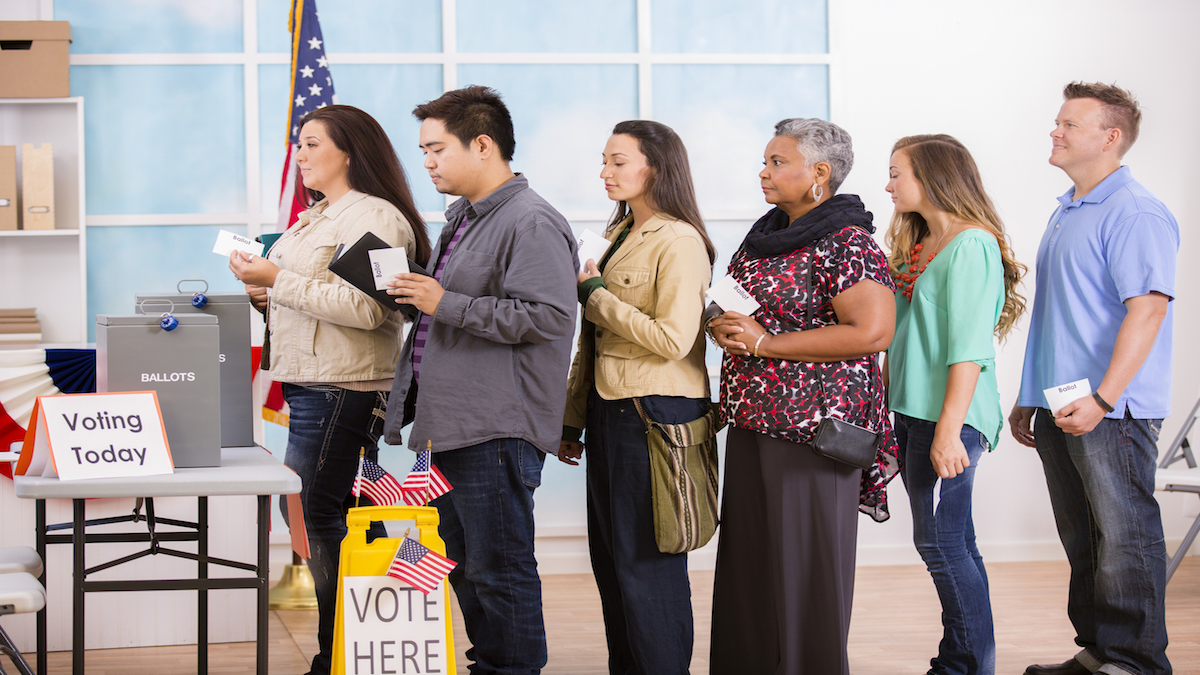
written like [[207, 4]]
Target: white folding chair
[[1180, 480], [20, 590], [20, 593]]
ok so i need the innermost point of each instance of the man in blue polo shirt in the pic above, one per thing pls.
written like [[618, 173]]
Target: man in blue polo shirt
[[1102, 311]]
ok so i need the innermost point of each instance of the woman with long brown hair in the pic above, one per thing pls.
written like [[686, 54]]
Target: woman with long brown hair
[[332, 346], [957, 282], [641, 346]]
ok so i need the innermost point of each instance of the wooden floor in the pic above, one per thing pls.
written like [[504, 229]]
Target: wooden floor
[[895, 630]]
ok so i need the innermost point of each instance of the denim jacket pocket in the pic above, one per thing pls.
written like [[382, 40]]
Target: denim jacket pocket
[[323, 244]]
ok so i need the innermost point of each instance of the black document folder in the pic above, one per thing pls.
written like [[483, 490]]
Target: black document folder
[[354, 265]]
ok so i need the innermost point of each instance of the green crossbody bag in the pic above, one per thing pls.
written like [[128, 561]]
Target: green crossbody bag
[[683, 480]]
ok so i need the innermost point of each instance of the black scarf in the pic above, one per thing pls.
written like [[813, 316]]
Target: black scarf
[[774, 235]]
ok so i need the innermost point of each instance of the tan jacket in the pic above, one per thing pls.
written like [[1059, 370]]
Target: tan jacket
[[648, 339], [322, 328]]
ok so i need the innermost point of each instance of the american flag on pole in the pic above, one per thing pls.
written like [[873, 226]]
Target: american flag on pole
[[374, 482], [424, 569], [424, 483], [312, 88]]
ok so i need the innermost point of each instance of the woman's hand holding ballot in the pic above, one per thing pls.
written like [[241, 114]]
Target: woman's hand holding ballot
[[588, 271], [253, 270]]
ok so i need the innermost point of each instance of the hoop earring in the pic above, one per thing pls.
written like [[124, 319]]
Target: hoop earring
[[817, 192]]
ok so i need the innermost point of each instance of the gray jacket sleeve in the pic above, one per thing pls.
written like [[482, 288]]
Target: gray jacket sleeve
[[537, 281]]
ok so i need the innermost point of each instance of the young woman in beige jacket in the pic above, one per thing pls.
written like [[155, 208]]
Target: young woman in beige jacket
[[334, 347], [642, 306]]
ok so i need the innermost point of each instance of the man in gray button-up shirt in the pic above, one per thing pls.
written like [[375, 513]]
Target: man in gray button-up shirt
[[483, 373]]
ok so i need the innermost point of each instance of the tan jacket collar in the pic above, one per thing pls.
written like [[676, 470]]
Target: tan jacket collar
[[654, 224]]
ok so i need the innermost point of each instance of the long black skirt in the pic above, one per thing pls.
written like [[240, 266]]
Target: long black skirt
[[785, 561]]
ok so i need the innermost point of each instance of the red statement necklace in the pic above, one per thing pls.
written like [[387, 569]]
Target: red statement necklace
[[906, 280]]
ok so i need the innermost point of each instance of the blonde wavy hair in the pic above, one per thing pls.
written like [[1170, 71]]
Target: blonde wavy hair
[[951, 180]]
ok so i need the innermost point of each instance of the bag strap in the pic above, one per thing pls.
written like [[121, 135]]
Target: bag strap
[[810, 316], [637, 403]]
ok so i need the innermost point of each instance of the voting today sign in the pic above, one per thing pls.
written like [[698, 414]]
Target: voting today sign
[[391, 627], [79, 436]]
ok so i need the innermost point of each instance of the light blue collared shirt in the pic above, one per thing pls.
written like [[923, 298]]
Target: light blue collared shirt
[[1117, 242]]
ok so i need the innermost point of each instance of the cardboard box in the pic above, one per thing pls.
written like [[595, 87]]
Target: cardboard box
[[8, 187], [35, 59], [37, 189]]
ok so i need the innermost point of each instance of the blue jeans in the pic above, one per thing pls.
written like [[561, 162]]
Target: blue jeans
[[487, 524], [645, 594], [1102, 490], [327, 427], [945, 537]]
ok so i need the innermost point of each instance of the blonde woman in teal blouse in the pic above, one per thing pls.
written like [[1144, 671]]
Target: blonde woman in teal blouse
[[957, 284]]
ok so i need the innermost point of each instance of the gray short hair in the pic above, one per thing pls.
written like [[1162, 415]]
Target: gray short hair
[[821, 141]]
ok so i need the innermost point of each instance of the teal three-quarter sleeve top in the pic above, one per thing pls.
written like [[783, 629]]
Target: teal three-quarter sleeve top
[[952, 317]]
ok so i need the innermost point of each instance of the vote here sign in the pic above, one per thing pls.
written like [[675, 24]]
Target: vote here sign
[[392, 628]]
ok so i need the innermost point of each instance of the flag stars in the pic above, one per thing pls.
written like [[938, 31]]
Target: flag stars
[[314, 44], [300, 101], [306, 71], [322, 62], [315, 90]]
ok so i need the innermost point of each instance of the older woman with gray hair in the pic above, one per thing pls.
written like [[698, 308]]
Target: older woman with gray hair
[[785, 561]]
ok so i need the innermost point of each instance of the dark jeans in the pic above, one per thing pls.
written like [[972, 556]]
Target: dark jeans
[[1102, 490], [487, 524], [645, 594], [944, 534], [328, 425]]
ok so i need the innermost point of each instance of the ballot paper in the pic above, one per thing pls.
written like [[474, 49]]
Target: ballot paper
[[1058, 397], [228, 242], [731, 297], [387, 263], [592, 246]]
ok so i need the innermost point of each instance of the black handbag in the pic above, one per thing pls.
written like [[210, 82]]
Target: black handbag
[[845, 442], [836, 438]]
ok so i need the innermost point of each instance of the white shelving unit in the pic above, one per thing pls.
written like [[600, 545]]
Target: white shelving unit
[[47, 269]]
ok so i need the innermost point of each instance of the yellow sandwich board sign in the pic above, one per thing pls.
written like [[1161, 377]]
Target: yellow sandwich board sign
[[384, 625]]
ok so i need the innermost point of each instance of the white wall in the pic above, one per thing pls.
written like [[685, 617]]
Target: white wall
[[24, 10], [991, 74]]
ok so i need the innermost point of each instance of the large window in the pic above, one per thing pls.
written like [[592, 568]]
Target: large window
[[186, 106]]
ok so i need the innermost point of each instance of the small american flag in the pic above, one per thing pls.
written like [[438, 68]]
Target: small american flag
[[424, 483], [379, 485], [419, 566]]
